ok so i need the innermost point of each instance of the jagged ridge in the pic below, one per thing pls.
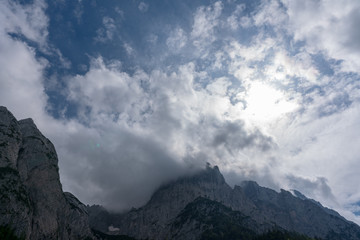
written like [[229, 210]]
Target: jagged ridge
[[266, 208]]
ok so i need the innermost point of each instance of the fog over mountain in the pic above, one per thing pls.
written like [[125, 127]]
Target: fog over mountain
[[197, 206], [134, 94]]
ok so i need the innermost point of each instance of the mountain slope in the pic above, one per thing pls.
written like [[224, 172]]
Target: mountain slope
[[265, 207], [32, 202], [205, 219], [209, 220]]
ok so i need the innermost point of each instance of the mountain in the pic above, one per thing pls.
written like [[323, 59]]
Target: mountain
[[195, 207], [32, 203], [204, 203]]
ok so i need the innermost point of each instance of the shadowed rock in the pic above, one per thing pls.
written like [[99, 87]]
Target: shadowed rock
[[32, 200]]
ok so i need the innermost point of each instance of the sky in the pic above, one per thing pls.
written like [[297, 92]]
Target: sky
[[137, 93]]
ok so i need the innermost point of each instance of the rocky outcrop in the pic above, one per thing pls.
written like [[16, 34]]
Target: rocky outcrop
[[266, 209], [100, 218], [298, 214], [202, 215], [152, 220], [32, 200], [15, 205]]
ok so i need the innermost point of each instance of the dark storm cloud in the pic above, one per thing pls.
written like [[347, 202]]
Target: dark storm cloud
[[234, 136], [121, 170]]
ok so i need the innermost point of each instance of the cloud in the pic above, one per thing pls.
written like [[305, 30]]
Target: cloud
[[27, 20], [233, 136], [205, 21], [176, 40], [317, 187], [21, 71], [328, 27], [103, 90], [143, 7], [205, 110], [149, 121], [245, 89], [270, 13], [128, 48], [116, 167], [106, 33], [234, 21]]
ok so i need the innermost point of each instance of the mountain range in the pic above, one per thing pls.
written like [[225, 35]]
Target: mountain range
[[198, 206]]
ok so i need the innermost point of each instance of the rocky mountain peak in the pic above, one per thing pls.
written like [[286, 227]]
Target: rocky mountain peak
[[6, 117], [36, 151], [29, 128], [298, 194], [32, 201], [175, 211], [209, 175], [27, 121]]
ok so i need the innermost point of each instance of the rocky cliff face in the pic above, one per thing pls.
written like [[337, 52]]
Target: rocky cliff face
[[152, 220], [32, 201], [265, 209]]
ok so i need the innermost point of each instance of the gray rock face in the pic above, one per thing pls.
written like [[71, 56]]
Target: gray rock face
[[301, 215], [15, 206], [77, 224], [204, 216], [32, 200], [100, 218], [267, 208], [10, 139], [152, 220]]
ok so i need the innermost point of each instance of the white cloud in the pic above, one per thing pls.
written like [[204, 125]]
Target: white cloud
[[21, 73], [219, 86], [176, 40], [233, 20], [104, 90], [245, 22], [143, 7], [266, 104], [284, 68], [272, 13], [128, 48], [120, 12], [124, 112], [205, 21], [29, 20], [106, 33], [277, 91], [328, 27], [324, 147]]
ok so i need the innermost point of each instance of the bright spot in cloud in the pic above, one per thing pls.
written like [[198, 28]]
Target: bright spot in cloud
[[265, 103]]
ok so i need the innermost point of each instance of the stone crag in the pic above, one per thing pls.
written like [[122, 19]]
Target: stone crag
[[32, 201]]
